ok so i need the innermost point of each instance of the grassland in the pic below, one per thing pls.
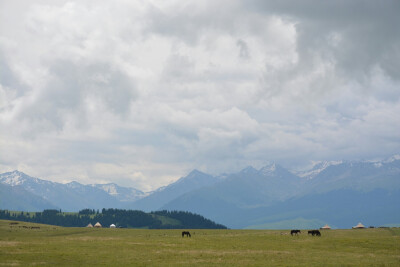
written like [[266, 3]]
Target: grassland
[[20, 245]]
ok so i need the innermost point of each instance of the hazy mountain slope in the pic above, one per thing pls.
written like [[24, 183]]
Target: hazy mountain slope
[[203, 203], [339, 208], [84, 196], [123, 194], [249, 188], [158, 198], [342, 208], [254, 188], [17, 198]]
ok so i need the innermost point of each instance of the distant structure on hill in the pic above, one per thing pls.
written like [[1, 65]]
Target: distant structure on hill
[[112, 225], [97, 225], [326, 227], [359, 226], [90, 225]]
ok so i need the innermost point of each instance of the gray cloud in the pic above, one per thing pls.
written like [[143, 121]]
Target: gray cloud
[[243, 49], [142, 93]]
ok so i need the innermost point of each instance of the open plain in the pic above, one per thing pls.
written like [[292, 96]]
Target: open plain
[[27, 244]]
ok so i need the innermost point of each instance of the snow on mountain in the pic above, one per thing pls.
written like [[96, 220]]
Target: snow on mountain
[[123, 194], [15, 178], [109, 188], [12, 178], [268, 169], [392, 158], [74, 185], [317, 167]]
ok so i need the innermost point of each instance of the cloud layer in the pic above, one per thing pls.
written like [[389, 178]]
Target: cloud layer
[[141, 92]]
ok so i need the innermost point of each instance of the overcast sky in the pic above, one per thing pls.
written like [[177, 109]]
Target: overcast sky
[[142, 92]]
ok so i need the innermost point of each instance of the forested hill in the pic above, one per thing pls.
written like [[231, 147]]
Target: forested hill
[[121, 218]]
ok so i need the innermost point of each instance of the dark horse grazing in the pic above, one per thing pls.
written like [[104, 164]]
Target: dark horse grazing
[[186, 233], [314, 232], [295, 232]]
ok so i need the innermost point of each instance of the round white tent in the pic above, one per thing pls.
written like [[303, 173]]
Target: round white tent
[[359, 226], [326, 227], [112, 226]]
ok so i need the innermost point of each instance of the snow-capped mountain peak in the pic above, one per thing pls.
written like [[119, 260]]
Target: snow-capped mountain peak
[[12, 178], [15, 178]]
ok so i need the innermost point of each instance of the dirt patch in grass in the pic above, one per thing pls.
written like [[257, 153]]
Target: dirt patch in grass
[[92, 238], [10, 263], [137, 243], [227, 252], [168, 245], [17, 263], [8, 243]]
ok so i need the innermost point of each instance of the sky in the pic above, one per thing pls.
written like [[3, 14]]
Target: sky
[[141, 92]]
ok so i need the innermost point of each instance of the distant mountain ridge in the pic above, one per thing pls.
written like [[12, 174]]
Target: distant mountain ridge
[[251, 198], [72, 196], [268, 196]]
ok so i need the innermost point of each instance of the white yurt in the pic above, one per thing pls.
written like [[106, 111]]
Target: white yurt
[[112, 226], [326, 227], [90, 225], [359, 226], [97, 225]]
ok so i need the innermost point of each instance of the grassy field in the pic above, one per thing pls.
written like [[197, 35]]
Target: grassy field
[[22, 245]]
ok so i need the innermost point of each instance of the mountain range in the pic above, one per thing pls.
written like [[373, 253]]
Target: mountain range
[[340, 193]]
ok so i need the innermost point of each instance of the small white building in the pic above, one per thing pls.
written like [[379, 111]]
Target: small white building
[[112, 226], [90, 225], [97, 225]]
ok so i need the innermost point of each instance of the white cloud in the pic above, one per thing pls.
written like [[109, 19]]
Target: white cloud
[[142, 92]]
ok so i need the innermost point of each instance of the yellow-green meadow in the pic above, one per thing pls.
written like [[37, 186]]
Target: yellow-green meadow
[[27, 244]]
